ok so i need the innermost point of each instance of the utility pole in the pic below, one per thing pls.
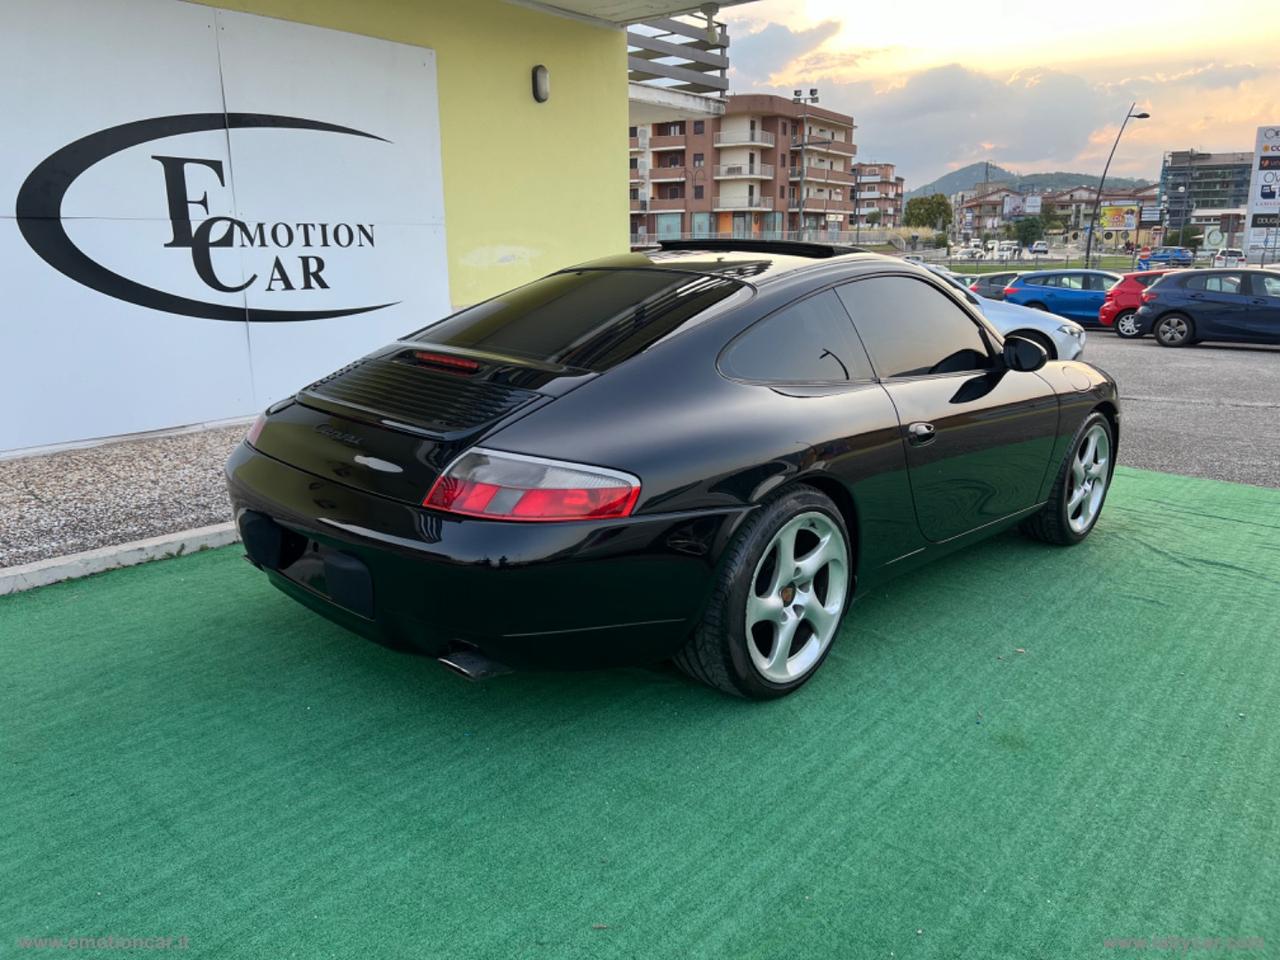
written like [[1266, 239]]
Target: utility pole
[[1097, 198]]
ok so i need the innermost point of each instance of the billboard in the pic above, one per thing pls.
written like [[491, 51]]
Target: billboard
[[1118, 217], [1032, 206], [201, 211], [1262, 213]]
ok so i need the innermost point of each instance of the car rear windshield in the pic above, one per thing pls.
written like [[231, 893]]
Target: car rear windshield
[[588, 319], [1146, 279]]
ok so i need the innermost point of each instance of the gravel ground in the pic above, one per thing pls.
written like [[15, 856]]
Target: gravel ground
[[76, 500], [1206, 411]]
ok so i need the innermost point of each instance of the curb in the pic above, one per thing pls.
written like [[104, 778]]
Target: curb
[[41, 573]]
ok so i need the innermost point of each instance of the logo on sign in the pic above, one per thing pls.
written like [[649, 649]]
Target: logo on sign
[[301, 251]]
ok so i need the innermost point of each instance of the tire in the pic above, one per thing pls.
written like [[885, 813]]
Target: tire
[[1059, 521], [1036, 336], [730, 649], [1037, 305], [1174, 330], [1126, 325]]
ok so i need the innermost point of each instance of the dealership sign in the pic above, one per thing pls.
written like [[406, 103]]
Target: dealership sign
[[1262, 214], [249, 205], [296, 248]]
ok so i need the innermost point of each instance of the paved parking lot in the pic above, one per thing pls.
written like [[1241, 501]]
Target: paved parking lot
[[1205, 411]]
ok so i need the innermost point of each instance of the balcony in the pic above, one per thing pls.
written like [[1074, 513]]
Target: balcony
[[822, 174], [744, 138], [636, 174], [742, 203], [673, 142], [633, 144], [660, 204], [658, 174], [822, 205], [730, 171], [639, 206], [821, 145]]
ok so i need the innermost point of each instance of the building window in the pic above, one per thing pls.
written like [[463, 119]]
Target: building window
[[632, 132], [697, 193], [635, 163], [699, 126], [782, 193], [698, 160]]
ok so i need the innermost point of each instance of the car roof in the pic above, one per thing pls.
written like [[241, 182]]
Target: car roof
[[755, 261], [1049, 273]]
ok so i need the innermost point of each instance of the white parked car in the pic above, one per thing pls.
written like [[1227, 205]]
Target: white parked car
[[1040, 248], [1061, 338], [1227, 257]]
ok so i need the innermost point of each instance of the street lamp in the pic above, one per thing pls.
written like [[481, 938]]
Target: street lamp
[[1097, 200]]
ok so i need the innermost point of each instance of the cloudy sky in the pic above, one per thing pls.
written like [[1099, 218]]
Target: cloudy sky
[[936, 85]]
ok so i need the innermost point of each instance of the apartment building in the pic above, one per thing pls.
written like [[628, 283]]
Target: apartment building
[[767, 168], [1193, 179], [878, 195]]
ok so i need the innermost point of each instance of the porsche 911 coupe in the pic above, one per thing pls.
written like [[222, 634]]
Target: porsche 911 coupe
[[703, 453]]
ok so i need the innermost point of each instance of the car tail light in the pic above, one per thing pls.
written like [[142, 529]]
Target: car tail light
[[255, 431], [1010, 289], [1149, 295], [973, 287], [512, 486], [446, 360]]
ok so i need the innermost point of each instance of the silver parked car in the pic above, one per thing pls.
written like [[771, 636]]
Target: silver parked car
[[1061, 338]]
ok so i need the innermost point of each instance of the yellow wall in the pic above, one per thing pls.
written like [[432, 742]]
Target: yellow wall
[[528, 187]]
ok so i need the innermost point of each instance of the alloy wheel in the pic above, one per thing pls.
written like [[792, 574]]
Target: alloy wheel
[[1090, 471], [797, 595], [1173, 330], [1127, 324]]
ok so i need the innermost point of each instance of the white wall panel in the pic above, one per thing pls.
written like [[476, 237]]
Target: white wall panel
[[122, 316]]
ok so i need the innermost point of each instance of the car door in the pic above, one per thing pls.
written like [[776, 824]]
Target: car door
[[978, 437], [1263, 323], [1096, 286], [1072, 300], [1218, 304]]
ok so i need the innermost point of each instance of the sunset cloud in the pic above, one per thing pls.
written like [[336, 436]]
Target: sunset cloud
[[937, 90]]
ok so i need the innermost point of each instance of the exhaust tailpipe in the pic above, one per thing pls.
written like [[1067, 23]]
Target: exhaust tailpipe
[[472, 664]]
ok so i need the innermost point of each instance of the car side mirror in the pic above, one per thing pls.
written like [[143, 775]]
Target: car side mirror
[[1023, 354]]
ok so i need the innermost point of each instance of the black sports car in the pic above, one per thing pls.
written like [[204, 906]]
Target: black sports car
[[699, 453]]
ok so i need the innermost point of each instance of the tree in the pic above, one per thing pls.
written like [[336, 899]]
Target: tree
[[1186, 237], [873, 218], [1029, 230], [932, 211]]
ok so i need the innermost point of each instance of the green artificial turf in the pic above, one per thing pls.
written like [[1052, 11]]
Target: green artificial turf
[[1018, 752]]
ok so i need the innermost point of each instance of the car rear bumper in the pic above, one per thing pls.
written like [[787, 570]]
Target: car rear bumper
[[558, 594]]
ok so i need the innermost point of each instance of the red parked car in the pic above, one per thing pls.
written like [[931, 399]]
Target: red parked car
[[1120, 307]]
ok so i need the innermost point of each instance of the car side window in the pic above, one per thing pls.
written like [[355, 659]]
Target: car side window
[[1267, 286], [811, 341], [1071, 281], [912, 329], [1095, 281], [1215, 283], [1050, 281]]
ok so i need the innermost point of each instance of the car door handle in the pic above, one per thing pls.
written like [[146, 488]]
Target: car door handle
[[921, 433], [1258, 302]]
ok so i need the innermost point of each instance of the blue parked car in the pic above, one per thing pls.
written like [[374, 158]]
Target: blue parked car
[[1184, 307], [1172, 257], [1077, 294]]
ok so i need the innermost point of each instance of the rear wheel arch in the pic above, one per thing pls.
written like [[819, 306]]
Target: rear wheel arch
[[839, 494], [1037, 305]]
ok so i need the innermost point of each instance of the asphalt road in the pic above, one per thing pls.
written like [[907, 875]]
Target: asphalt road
[[1210, 410]]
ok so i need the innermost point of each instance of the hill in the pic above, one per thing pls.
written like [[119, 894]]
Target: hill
[[966, 178]]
